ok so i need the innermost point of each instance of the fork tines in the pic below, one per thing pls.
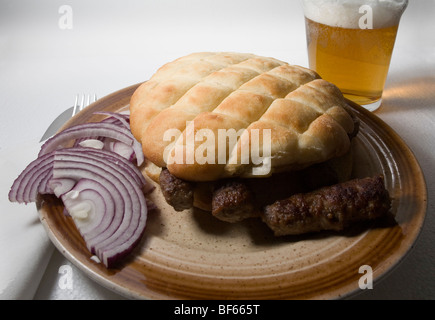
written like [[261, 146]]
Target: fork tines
[[84, 102]]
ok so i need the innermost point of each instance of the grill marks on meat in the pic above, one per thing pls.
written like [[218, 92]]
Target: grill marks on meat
[[329, 208], [177, 192]]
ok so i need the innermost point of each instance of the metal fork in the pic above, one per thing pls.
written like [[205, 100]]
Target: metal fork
[[79, 105]]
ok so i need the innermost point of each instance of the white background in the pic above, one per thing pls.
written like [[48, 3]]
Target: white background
[[114, 44]]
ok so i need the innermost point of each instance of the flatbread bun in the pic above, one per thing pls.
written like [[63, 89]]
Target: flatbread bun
[[286, 118]]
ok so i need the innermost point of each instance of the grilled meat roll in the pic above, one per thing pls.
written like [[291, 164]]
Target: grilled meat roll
[[329, 208]]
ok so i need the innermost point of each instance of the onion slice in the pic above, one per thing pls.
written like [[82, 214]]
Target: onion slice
[[134, 201], [102, 189], [113, 117], [88, 203], [123, 149], [26, 187], [92, 129]]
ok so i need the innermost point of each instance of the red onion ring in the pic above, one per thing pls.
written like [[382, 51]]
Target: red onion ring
[[102, 190], [113, 117], [91, 191], [84, 199], [86, 130], [24, 189], [69, 167]]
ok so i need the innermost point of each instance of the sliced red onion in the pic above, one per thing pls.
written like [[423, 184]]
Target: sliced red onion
[[92, 143], [113, 218], [66, 166], [115, 117], [101, 188], [24, 189], [131, 226], [38, 183], [123, 246], [117, 160], [124, 221], [80, 140], [44, 187], [107, 130], [34, 179], [93, 199], [112, 145], [61, 186], [120, 148], [125, 150]]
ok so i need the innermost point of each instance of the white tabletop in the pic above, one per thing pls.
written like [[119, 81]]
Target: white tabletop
[[114, 44]]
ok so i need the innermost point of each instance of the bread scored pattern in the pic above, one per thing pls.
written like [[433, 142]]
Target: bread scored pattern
[[242, 93]]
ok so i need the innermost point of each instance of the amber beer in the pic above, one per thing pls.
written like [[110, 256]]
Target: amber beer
[[355, 59]]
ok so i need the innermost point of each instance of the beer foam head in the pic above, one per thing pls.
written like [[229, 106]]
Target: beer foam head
[[346, 13]]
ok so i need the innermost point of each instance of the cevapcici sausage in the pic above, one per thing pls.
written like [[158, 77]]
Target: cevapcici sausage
[[177, 192], [329, 208], [233, 202]]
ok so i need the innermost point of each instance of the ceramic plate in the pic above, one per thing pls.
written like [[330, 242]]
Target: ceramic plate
[[191, 255]]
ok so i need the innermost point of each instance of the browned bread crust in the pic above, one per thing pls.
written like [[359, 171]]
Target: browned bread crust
[[306, 115]]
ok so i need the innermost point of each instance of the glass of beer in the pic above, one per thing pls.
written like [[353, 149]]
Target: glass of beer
[[350, 43]]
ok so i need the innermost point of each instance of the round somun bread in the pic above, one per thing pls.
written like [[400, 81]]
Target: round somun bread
[[282, 114]]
